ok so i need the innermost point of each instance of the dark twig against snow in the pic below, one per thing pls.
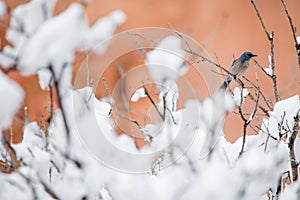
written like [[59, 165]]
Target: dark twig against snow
[[291, 144], [59, 99]]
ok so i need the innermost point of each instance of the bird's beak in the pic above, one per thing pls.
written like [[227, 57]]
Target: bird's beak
[[254, 55]]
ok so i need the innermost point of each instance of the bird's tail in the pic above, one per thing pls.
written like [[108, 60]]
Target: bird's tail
[[225, 83]]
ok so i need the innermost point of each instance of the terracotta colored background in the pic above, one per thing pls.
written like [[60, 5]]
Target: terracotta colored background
[[224, 28]]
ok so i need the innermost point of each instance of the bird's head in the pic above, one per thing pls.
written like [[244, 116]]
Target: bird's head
[[246, 56]]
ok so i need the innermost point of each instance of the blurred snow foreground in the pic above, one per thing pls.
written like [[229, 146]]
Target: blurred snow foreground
[[188, 159]]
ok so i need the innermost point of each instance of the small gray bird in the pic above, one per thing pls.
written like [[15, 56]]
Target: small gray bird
[[238, 68]]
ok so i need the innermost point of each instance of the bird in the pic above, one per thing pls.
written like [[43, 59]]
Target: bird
[[238, 68]]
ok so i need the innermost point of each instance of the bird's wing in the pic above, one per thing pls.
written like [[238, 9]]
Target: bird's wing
[[235, 67]]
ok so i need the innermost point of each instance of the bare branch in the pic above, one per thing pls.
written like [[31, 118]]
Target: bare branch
[[293, 28], [205, 59], [59, 98], [247, 122], [165, 106], [48, 189], [264, 71], [271, 40], [279, 186], [260, 19], [274, 77], [51, 100], [120, 115], [153, 103], [294, 164], [182, 37], [143, 37], [264, 110], [261, 93], [11, 152]]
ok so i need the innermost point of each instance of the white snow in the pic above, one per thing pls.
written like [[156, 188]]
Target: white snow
[[11, 98], [213, 111], [3, 8], [169, 91], [297, 148], [54, 42], [298, 39], [269, 69], [25, 21], [167, 60], [166, 64], [5, 61], [44, 76], [40, 40], [17, 39], [291, 192], [139, 93], [239, 96], [28, 17], [254, 173], [97, 36], [282, 117]]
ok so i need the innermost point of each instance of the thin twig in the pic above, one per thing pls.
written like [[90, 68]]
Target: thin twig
[[247, 122], [293, 28], [120, 115], [153, 103], [30, 184], [274, 77], [278, 189], [143, 37], [260, 19], [261, 93], [11, 152], [51, 100], [48, 190], [164, 106], [259, 65], [182, 37], [58, 93], [264, 110], [205, 59], [172, 116], [271, 40], [266, 144]]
